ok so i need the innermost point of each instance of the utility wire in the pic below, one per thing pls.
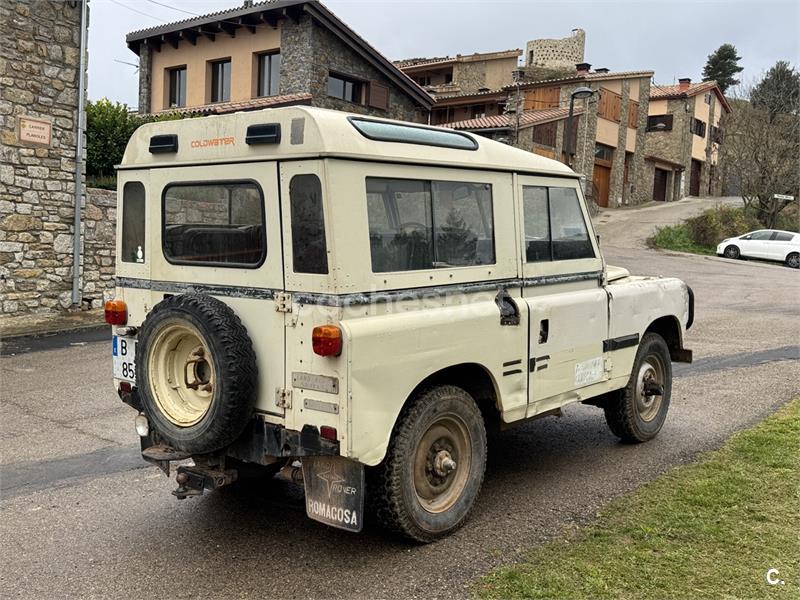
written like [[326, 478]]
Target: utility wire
[[136, 11], [186, 12]]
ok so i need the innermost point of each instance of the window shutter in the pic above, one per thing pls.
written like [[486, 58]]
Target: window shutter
[[378, 95]]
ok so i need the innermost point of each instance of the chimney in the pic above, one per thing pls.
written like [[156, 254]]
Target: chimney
[[583, 68], [248, 4], [683, 83], [601, 70]]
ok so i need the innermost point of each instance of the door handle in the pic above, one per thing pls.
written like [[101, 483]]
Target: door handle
[[544, 330]]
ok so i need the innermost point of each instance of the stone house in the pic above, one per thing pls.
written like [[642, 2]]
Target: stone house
[[269, 54], [39, 89], [608, 145], [683, 139], [462, 74]]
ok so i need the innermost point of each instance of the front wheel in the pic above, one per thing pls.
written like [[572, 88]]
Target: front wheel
[[731, 252], [433, 469], [637, 413]]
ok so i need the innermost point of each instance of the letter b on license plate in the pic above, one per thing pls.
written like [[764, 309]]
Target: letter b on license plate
[[334, 491]]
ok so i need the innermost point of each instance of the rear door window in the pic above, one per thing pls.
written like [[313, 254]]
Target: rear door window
[[214, 223], [309, 249], [133, 223], [421, 224]]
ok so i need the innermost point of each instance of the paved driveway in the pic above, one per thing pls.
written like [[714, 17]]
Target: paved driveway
[[82, 516]]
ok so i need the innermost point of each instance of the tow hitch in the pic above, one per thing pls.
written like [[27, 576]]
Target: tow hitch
[[192, 481]]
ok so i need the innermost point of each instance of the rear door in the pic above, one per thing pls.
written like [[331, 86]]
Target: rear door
[[217, 231]]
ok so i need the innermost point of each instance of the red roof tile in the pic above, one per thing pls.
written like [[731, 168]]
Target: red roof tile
[[219, 108], [526, 119], [665, 92]]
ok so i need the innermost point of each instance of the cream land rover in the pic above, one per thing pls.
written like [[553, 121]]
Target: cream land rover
[[368, 297]]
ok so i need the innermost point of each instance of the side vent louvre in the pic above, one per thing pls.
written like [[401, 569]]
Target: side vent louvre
[[160, 144], [263, 133]]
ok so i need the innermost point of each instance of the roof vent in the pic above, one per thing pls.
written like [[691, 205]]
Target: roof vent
[[161, 144], [601, 70], [263, 133]]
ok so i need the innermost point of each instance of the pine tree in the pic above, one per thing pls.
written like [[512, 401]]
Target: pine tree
[[779, 91], [722, 67]]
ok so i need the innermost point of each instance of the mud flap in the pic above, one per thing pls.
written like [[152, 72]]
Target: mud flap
[[334, 489]]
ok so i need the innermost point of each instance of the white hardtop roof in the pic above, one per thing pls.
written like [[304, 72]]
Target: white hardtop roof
[[308, 132]]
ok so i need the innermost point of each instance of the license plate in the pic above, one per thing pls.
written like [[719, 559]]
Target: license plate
[[334, 491], [123, 352]]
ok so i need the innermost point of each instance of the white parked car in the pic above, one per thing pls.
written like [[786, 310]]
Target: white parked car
[[767, 244]]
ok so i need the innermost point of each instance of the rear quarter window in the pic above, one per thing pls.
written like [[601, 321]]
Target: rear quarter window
[[133, 223], [214, 223]]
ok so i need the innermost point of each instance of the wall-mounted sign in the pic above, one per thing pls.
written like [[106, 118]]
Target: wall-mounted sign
[[34, 131]]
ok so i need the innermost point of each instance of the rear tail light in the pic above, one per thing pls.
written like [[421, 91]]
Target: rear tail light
[[326, 340], [116, 312], [328, 432]]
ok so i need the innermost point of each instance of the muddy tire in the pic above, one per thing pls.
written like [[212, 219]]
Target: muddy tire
[[634, 415], [197, 373], [434, 466]]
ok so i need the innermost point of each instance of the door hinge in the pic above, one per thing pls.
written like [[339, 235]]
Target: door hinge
[[283, 302], [283, 398]]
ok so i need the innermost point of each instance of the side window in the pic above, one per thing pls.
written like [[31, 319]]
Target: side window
[[537, 224], [554, 225], [761, 235], [783, 237], [568, 229], [214, 223], [417, 224], [133, 222], [309, 249]]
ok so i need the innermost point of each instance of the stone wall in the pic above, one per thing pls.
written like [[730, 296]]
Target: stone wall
[[470, 76], [674, 146], [559, 53], [309, 52], [39, 60]]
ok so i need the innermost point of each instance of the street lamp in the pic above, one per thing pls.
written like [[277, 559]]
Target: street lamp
[[580, 93]]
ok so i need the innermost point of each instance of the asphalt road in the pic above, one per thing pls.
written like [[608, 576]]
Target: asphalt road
[[82, 516]]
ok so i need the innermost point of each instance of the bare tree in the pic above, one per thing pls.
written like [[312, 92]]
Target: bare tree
[[761, 153]]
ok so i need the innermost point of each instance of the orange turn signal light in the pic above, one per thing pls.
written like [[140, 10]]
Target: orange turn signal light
[[116, 312], [326, 340]]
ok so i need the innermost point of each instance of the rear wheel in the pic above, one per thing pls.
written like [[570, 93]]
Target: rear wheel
[[793, 260], [197, 373], [434, 466], [637, 412], [731, 252]]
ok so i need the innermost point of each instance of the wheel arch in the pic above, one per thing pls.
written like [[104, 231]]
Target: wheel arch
[[473, 378], [669, 328]]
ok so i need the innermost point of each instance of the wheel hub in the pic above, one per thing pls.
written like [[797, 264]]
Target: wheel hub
[[650, 388], [442, 464]]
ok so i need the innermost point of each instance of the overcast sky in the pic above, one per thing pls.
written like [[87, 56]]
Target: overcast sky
[[669, 37]]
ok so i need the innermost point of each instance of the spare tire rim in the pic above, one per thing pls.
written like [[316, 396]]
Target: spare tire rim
[[651, 372], [181, 374], [442, 463]]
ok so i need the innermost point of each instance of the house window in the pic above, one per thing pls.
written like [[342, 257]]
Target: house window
[[603, 152], [448, 77], [716, 135], [659, 123], [707, 98], [424, 80], [344, 88], [221, 81], [478, 112], [177, 87], [698, 127], [269, 74]]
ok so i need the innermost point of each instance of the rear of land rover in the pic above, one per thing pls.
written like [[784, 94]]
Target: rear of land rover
[[221, 364]]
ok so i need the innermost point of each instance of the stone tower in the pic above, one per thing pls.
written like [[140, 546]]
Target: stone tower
[[562, 53]]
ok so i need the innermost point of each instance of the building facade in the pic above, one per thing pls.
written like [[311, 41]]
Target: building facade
[[608, 135], [462, 74], [269, 54], [39, 93], [683, 140]]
